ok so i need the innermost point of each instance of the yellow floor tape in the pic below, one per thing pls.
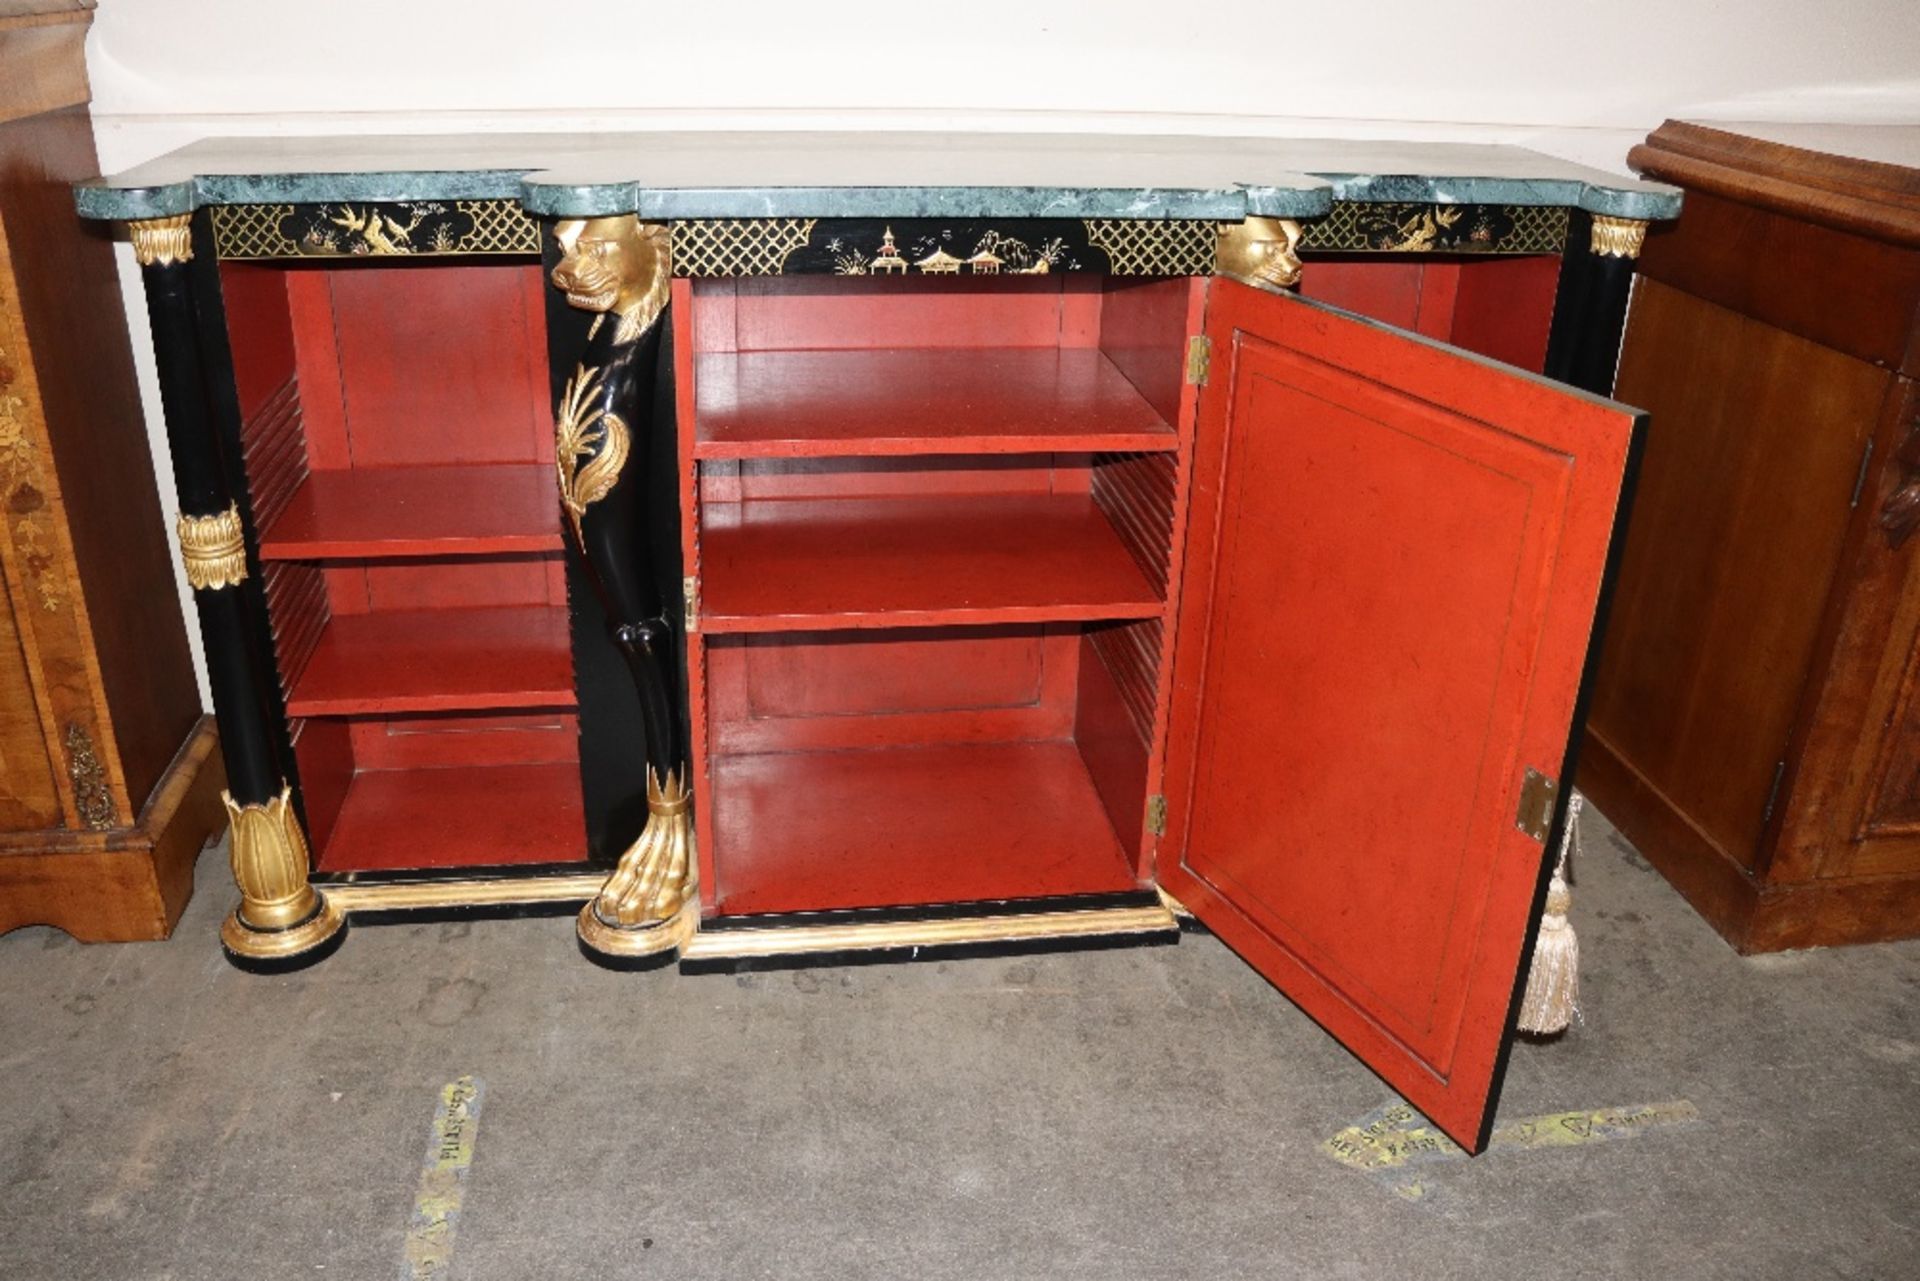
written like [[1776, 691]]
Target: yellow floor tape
[[1392, 1138], [443, 1179]]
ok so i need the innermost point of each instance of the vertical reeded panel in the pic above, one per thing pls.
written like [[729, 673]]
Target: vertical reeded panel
[[1137, 494]]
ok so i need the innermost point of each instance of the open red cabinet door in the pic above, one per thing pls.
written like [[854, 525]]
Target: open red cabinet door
[[1394, 553]]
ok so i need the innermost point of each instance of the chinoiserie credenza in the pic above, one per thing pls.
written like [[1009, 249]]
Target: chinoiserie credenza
[[109, 773], [772, 546], [1754, 728]]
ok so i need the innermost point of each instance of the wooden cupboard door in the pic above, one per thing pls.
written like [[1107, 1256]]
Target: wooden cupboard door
[[1394, 550], [1741, 521], [1849, 803]]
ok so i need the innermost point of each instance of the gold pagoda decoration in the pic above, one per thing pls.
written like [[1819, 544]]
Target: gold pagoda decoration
[[888, 259], [939, 263]]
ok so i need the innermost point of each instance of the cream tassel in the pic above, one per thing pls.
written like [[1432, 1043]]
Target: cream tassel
[[1553, 981]]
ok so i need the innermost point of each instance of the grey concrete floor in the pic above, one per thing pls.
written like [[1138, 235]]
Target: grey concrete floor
[[1129, 1114]]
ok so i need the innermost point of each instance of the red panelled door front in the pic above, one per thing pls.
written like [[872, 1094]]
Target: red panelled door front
[[1394, 554]]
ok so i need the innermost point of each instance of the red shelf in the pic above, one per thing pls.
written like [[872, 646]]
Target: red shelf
[[816, 564], [474, 816], [905, 826], [471, 510], [814, 404], [438, 660]]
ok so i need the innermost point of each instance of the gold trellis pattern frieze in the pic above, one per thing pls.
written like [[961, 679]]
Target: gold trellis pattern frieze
[[1354, 227], [416, 228], [1135, 247], [779, 246], [738, 246]]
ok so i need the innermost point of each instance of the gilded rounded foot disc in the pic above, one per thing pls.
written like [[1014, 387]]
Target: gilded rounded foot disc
[[640, 940], [245, 941]]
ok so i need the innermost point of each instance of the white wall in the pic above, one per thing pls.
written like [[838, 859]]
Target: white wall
[[1580, 79]]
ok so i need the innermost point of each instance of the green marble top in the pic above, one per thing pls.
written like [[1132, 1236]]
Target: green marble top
[[667, 176]]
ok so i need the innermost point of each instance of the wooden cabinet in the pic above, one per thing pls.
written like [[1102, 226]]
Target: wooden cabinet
[[853, 579], [109, 778], [1753, 729]]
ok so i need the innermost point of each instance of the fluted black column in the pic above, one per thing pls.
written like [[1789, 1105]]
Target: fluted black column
[[281, 918], [240, 676], [1590, 308]]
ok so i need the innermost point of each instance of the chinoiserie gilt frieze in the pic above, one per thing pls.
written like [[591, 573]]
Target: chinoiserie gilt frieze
[[854, 246], [1355, 227], [740, 246], [379, 229], [901, 247], [897, 248]]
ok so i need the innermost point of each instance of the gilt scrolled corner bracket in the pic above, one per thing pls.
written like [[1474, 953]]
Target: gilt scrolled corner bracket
[[162, 240], [1260, 251], [648, 905], [214, 550], [280, 914], [1617, 237]]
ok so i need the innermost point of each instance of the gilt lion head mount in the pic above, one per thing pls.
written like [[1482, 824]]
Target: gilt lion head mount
[[1261, 251], [616, 266]]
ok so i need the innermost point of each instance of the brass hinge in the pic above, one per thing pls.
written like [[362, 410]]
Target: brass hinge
[[1199, 359], [690, 587], [1537, 796], [1157, 814]]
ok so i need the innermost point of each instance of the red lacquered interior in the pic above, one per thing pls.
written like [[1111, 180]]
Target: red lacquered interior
[[1495, 305], [924, 824], [804, 564], [769, 404], [355, 513], [399, 447], [934, 525], [476, 658], [939, 514], [858, 769]]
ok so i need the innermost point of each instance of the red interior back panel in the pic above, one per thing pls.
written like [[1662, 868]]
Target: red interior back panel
[[918, 548], [1490, 304], [398, 443]]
